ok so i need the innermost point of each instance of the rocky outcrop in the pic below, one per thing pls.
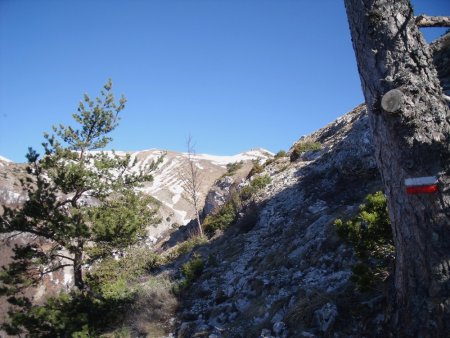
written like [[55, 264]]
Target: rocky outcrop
[[285, 276]]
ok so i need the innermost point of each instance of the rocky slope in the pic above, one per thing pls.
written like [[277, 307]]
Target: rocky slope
[[287, 276]]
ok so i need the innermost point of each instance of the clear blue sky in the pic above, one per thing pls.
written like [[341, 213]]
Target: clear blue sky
[[234, 74]]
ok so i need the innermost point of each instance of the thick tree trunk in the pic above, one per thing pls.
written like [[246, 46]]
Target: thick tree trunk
[[412, 138]]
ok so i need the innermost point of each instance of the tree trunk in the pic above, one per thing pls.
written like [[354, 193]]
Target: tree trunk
[[78, 270], [412, 138]]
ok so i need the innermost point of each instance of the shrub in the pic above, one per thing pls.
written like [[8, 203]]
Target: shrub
[[370, 235], [191, 271], [233, 167], [303, 147], [67, 315], [227, 214], [111, 277], [280, 154], [185, 247], [221, 220], [257, 169], [249, 218], [256, 184], [193, 268], [261, 181], [155, 304]]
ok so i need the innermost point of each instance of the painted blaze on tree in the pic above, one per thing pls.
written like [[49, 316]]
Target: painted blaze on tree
[[411, 132], [82, 203]]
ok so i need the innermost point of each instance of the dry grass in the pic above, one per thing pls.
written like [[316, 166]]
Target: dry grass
[[155, 305], [185, 247], [302, 314]]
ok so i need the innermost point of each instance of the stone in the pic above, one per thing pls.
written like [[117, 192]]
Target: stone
[[279, 328], [266, 333], [326, 316]]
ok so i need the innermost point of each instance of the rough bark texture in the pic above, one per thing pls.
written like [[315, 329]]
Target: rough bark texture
[[392, 54], [78, 270]]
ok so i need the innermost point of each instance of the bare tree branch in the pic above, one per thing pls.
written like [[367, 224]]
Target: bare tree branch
[[432, 21], [191, 178]]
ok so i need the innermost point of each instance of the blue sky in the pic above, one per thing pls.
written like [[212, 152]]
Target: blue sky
[[234, 74]]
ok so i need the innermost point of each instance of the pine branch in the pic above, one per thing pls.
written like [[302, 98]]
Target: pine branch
[[432, 21]]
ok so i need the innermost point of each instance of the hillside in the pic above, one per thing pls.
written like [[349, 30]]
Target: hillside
[[288, 274], [272, 263]]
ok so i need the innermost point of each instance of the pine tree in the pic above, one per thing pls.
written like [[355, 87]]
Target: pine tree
[[409, 119], [82, 204]]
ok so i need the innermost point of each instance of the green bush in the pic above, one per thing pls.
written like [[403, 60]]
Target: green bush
[[261, 181], [233, 167], [370, 235], [222, 219], [67, 315], [83, 314], [193, 268], [191, 271], [303, 147], [227, 214], [281, 154], [185, 247], [110, 275], [256, 184]]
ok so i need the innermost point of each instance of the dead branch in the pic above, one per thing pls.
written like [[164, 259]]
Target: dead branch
[[432, 21]]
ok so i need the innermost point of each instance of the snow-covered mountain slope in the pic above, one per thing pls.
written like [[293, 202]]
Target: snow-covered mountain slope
[[166, 186]]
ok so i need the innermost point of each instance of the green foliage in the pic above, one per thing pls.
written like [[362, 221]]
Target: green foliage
[[193, 268], [281, 154], [261, 181], [221, 220], [233, 167], [303, 147], [58, 213], [111, 277], [370, 235], [67, 315], [191, 271], [118, 223], [256, 184], [185, 247], [227, 214]]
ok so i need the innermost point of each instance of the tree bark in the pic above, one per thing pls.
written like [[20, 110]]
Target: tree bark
[[78, 269], [432, 21], [410, 142]]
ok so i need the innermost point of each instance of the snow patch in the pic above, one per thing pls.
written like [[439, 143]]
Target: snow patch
[[224, 160], [4, 159]]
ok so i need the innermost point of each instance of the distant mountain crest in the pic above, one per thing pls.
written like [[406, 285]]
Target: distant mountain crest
[[4, 159]]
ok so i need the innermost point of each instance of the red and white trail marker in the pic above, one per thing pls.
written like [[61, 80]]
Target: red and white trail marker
[[421, 185]]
